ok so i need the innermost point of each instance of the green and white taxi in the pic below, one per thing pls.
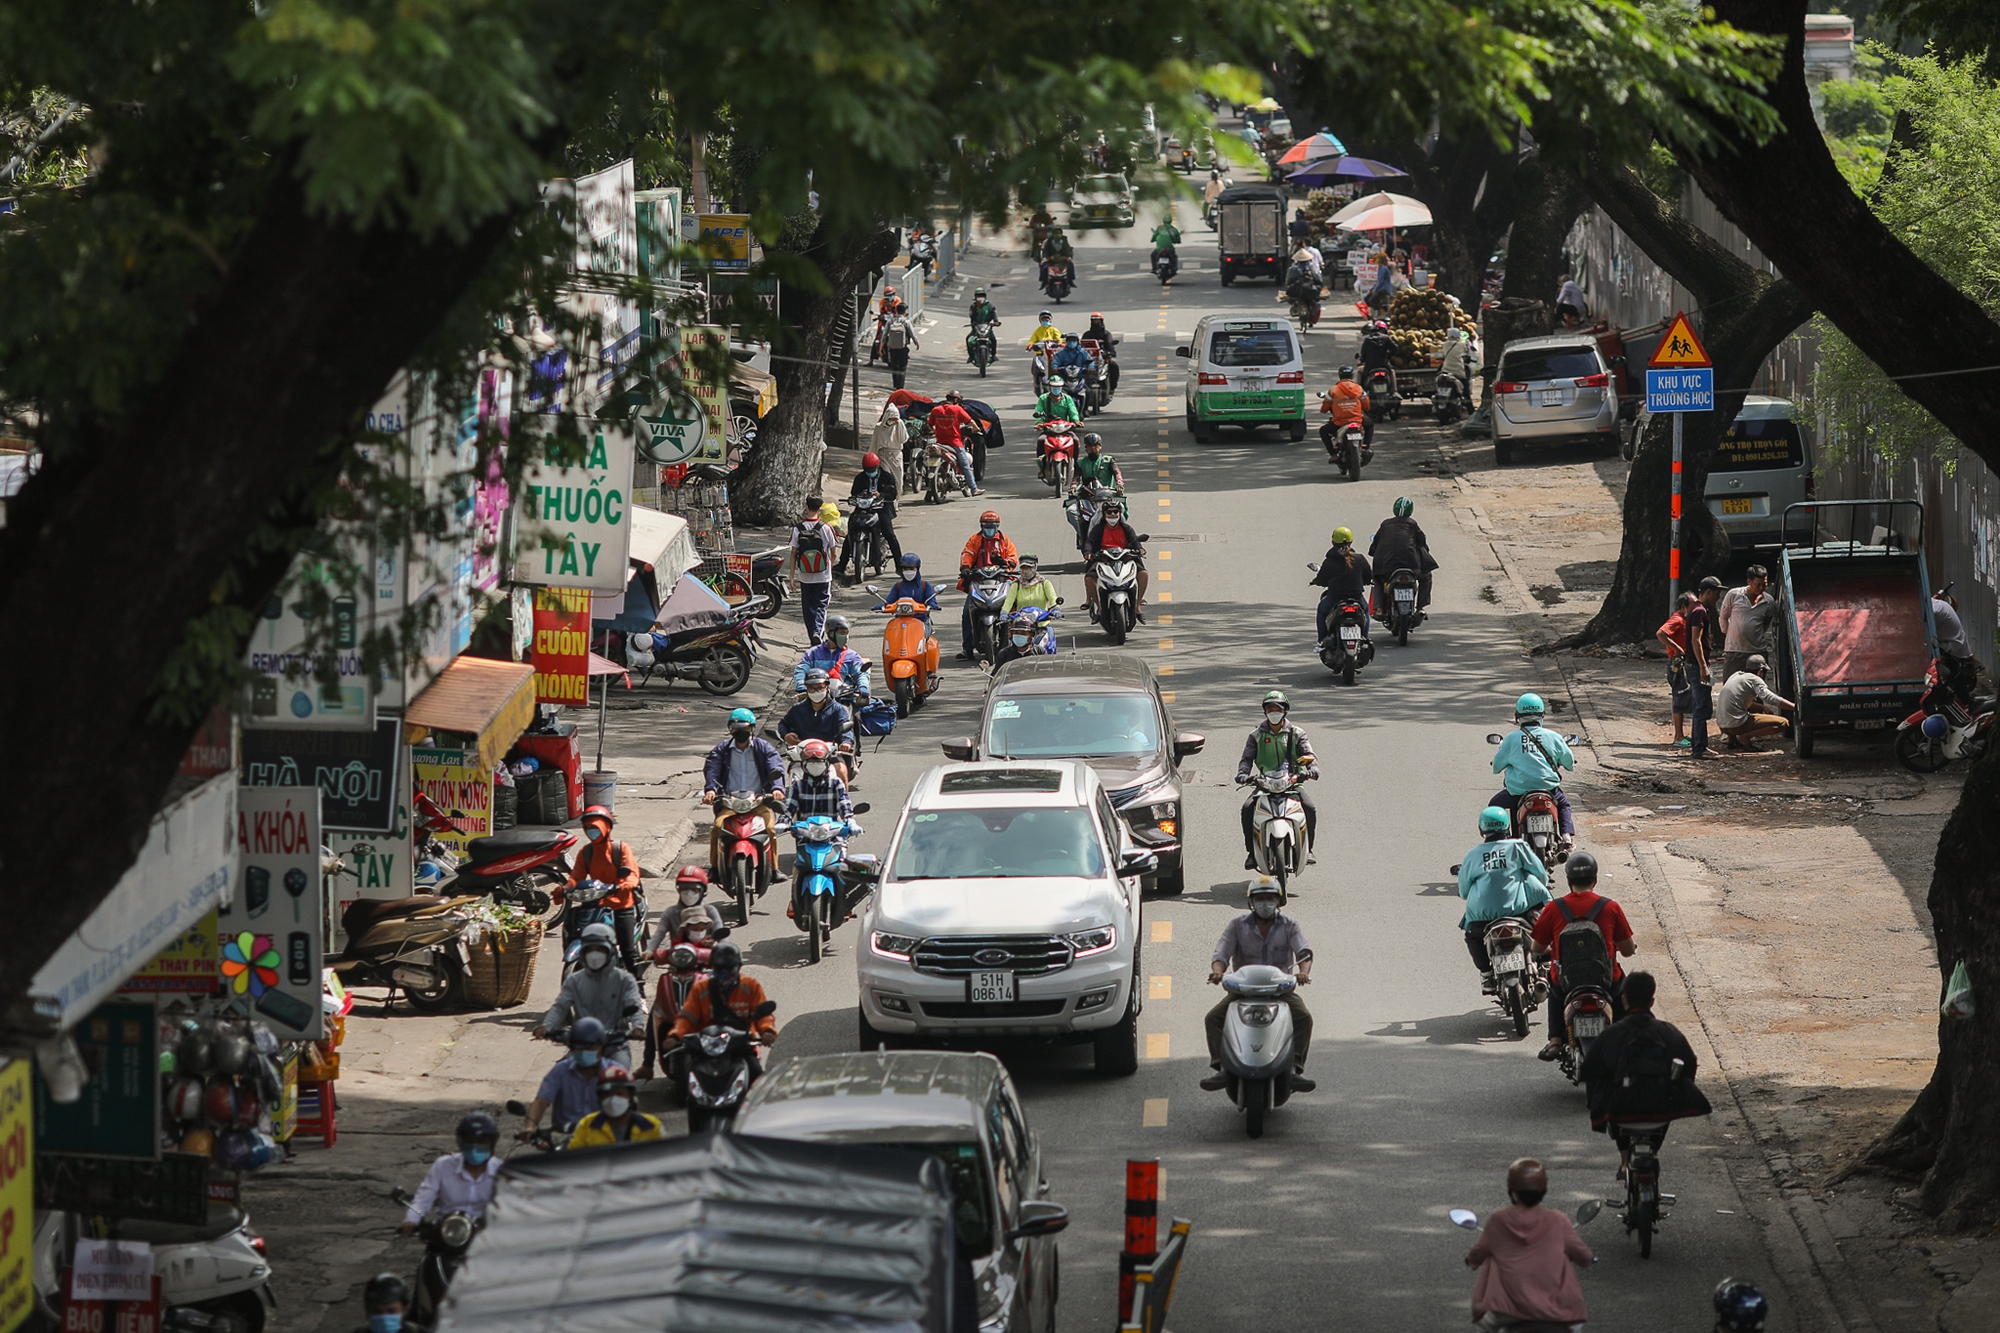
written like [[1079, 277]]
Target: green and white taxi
[[1245, 370]]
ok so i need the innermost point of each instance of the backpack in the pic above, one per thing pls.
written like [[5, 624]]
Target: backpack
[[1642, 1083], [897, 336], [812, 547], [1581, 953]]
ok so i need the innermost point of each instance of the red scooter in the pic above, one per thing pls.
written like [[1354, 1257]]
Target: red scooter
[[685, 963], [1941, 729], [1057, 454], [517, 867], [749, 852]]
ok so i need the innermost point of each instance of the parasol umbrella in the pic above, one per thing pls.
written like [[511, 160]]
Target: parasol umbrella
[[1315, 172], [1316, 145], [1381, 211], [1264, 104]]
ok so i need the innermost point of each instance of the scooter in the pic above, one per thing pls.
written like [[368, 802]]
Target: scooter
[[1116, 570], [1941, 729], [982, 347], [1098, 381], [938, 476], [1384, 404], [985, 591], [717, 659], [1165, 265], [818, 904], [1076, 381], [214, 1277], [516, 867], [767, 579], [923, 250], [1447, 400], [684, 963], [1060, 280], [1083, 505], [1278, 826], [584, 906], [749, 853], [1586, 1014], [1519, 984], [719, 1073], [1538, 819], [1465, 1217], [415, 945], [864, 530], [1042, 640], [446, 1238], [1401, 615], [909, 652], [1345, 650], [1257, 1041], [1347, 446], [1056, 459]]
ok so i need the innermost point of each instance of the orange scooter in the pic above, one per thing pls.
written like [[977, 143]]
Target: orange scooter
[[909, 652]]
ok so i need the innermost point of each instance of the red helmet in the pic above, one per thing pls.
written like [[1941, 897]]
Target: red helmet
[[871, 460], [692, 875], [602, 812], [614, 1076], [990, 516], [1097, 314], [815, 750]]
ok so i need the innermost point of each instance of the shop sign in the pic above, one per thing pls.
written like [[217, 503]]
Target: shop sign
[[692, 427], [574, 529], [725, 238], [562, 646], [461, 788], [354, 771], [111, 1288], [277, 648], [270, 934], [173, 1189], [17, 1196], [119, 1112], [188, 966], [381, 863]]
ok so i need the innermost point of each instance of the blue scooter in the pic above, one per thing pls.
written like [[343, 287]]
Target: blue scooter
[[583, 906], [818, 901]]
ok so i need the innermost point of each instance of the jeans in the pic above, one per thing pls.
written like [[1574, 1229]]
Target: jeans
[[1704, 709], [899, 365], [1475, 940], [813, 598], [1302, 1030], [1329, 607], [1507, 800], [1250, 829], [963, 457], [624, 921]]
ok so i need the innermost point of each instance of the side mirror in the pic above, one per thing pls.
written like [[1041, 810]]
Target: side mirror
[[861, 808], [1137, 862], [765, 1010], [403, 1197], [1572, 740], [1313, 565], [1187, 743], [1588, 1209], [1494, 738], [872, 588], [863, 865], [1061, 602], [1183, 351], [516, 1107], [959, 748], [1039, 1217], [1465, 1217], [1145, 537], [771, 734], [1454, 870]]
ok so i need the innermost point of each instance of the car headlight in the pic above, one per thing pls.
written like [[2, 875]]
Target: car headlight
[[1098, 940], [899, 947]]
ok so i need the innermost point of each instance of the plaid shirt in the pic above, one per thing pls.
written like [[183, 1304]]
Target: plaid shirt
[[819, 796]]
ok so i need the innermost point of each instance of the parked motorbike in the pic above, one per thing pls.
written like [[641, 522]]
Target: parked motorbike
[[1278, 826], [986, 590], [909, 652], [415, 945], [717, 659], [1056, 462], [1401, 614], [517, 867], [1257, 1041], [982, 347], [446, 1238], [1116, 570], [864, 530], [1165, 265], [1537, 818], [214, 1277], [819, 902], [1447, 400], [1941, 729], [749, 854], [1082, 508], [767, 579], [719, 1071], [923, 250], [1383, 402]]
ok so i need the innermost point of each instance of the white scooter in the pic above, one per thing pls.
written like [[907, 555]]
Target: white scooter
[[1278, 826], [213, 1277], [1257, 1041]]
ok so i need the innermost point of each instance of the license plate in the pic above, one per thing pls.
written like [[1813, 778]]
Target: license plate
[[1540, 824], [1871, 724], [1736, 506], [1350, 632], [1589, 1027], [990, 987], [1550, 398], [1405, 596], [1509, 962]]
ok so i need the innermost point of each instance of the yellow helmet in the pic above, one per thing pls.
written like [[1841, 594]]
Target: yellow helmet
[[1343, 536]]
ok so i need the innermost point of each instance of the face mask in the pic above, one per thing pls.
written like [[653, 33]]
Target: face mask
[[594, 832], [1274, 719], [986, 531], [817, 696], [872, 472], [1265, 909], [739, 734], [385, 1323], [838, 638], [1030, 574], [585, 1058], [477, 1156], [816, 769], [614, 1107], [697, 935], [1020, 641], [690, 897], [597, 960]]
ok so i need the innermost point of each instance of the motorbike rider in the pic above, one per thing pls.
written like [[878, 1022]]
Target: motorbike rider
[[385, 1300], [1264, 935], [617, 1118], [1272, 745], [1165, 237], [912, 584], [988, 546], [1531, 759], [1961, 668], [1582, 902], [1107, 347], [949, 422], [460, 1181], [1075, 356], [1455, 362], [743, 762], [1378, 351], [833, 656], [1098, 466], [1400, 544], [1628, 1072], [982, 311], [1345, 575], [1111, 530], [1211, 191], [1501, 877], [1058, 256], [615, 863], [872, 479], [1055, 404], [1526, 1255], [818, 717], [821, 789], [596, 990], [726, 989], [1023, 630], [1346, 404], [690, 893], [1030, 589], [569, 1089], [1041, 343]]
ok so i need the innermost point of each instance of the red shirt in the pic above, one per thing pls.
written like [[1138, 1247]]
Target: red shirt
[[1676, 629], [947, 420], [1114, 537], [1611, 921]]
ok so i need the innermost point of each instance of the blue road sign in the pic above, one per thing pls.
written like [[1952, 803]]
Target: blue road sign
[[1691, 389]]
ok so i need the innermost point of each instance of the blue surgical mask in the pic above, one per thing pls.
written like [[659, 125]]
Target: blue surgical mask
[[988, 531], [594, 832], [385, 1323], [873, 472], [477, 1155], [585, 1058]]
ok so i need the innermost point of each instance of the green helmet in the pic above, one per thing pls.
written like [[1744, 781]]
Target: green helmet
[[1530, 705], [1278, 697], [1494, 820], [1402, 508], [742, 715]]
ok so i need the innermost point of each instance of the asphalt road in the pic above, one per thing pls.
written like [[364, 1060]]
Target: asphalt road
[[1336, 1218]]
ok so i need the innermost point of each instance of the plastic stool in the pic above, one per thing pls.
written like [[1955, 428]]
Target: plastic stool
[[318, 1112]]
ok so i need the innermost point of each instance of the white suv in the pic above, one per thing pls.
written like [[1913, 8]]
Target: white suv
[[1007, 906]]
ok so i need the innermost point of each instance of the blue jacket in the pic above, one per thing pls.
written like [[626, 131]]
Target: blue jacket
[[1501, 878], [845, 664], [830, 723], [770, 766], [920, 592], [1527, 771], [1074, 356]]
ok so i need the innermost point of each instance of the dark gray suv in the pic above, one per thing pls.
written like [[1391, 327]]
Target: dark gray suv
[[1105, 709]]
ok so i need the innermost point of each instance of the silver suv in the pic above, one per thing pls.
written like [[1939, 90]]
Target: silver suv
[[1554, 390]]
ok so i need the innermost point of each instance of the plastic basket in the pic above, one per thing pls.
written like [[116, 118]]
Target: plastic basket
[[502, 970]]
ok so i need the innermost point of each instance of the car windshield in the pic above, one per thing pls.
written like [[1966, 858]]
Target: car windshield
[[1759, 446], [1552, 363], [1035, 726], [1250, 347], [971, 1193], [999, 843], [1101, 185]]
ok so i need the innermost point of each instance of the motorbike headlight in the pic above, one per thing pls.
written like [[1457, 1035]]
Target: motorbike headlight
[[1258, 1015], [898, 947], [455, 1232], [1101, 939]]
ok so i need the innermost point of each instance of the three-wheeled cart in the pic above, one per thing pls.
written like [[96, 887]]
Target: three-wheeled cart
[[1857, 617]]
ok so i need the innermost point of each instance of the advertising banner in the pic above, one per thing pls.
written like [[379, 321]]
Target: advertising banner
[[562, 646], [188, 966], [356, 772], [278, 648], [461, 788], [17, 1196], [725, 238], [573, 527], [119, 1112], [270, 934], [382, 863]]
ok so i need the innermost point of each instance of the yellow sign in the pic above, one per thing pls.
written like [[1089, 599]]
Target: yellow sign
[[187, 965], [725, 238], [1679, 347], [17, 1197]]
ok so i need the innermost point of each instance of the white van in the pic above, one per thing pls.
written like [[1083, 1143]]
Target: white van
[[1762, 464], [1245, 369]]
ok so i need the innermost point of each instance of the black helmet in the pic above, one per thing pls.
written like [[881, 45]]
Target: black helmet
[[586, 1031], [1092, 440], [385, 1289], [1581, 869], [478, 1127], [1347, 372], [1739, 1306], [725, 959]]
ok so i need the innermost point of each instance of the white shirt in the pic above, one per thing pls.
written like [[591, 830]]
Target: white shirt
[[452, 1188], [1747, 626]]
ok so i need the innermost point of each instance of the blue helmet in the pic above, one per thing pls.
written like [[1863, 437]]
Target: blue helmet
[[1530, 705], [742, 717], [910, 561], [1739, 1306], [1494, 820]]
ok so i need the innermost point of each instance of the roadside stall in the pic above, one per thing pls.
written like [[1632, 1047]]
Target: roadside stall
[[460, 727]]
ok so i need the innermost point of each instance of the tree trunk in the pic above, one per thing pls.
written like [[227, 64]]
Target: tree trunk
[[319, 317], [1548, 199], [1750, 312], [1512, 317], [782, 469]]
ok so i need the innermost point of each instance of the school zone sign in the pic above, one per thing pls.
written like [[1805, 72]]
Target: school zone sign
[[574, 526]]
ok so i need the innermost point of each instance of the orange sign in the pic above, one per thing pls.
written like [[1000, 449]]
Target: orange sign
[[1679, 347], [562, 645]]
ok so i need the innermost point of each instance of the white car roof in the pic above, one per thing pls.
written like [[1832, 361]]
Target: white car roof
[[1068, 783]]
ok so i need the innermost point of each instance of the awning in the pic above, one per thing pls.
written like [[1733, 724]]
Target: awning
[[754, 383], [490, 702], [664, 542], [693, 606]]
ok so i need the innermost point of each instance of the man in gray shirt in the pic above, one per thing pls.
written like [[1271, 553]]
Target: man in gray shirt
[[1733, 700], [1961, 668], [1262, 935], [1749, 619]]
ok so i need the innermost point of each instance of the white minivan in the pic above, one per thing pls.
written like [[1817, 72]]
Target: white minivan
[[1763, 464], [1245, 369]]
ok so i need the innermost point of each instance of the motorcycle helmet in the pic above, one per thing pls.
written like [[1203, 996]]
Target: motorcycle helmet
[[218, 1103], [989, 524], [1382, 324], [1739, 1306], [597, 935], [838, 627], [1402, 508], [1935, 726], [1347, 372], [384, 1289], [815, 755], [978, 293], [1046, 316], [615, 1076], [184, 1099], [741, 723], [1494, 820], [1097, 316], [586, 1031], [196, 1052], [910, 563], [1527, 1181], [1343, 536], [725, 960], [1092, 440], [871, 460], [600, 813], [249, 1108], [1530, 706], [1029, 564], [816, 684], [1265, 897], [1581, 868], [477, 1127], [691, 885]]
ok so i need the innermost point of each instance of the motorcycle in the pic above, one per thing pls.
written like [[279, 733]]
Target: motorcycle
[[864, 530], [1165, 265], [1346, 446], [1537, 818], [719, 1073], [1060, 280], [986, 590], [446, 1238], [1278, 826], [1383, 402], [1257, 1041], [1076, 382], [819, 902], [1043, 641], [1097, 382], [938, 476], [767, 580], [1401, 615], [923, 250], [1056, 465], [1303, 299], [516, 867], [1344, 650], [1644, 1207], [1520, 984], [1082, 508], [1447, 400], [1116, 570], [718, 659], [546, 1138], [214, 1276], [1586, 1014], [749, 853], [982, 347], [685, 963], [909, 652], [415, 945], [1941, 729], [584, 906]]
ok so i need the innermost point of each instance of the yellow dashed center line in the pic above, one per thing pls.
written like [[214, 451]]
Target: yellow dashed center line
[[1167, 695], [1159, 988], [1163, 932], [1156, 1045], [1166, 620], [1166, 645], [1164, 669]]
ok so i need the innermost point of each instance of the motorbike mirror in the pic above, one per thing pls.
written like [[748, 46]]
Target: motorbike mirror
[[861, 807], [765, 1010], [1572, 740], [959, 748], [1188, 743], [1465, 1217], [515, 1107], [402, 1196], [721, 933], [1494, 738], [1588, 1209], [1313, 565], [1182, 351], [1061, 602], [872, 588], [1454, 870]]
